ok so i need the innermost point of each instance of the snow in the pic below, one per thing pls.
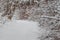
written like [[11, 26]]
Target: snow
[[19, 30]]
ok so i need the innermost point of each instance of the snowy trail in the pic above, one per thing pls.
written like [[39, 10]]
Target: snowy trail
[[19, 30]]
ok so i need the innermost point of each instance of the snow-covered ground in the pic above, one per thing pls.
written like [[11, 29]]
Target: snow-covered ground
[[19, 30], [22, 30]]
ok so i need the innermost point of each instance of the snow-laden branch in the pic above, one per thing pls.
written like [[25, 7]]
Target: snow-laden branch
[[52, 17]]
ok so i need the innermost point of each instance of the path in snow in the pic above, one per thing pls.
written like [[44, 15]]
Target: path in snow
[[19, 30]]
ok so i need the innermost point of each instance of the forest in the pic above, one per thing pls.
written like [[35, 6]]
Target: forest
[[45, 12]]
